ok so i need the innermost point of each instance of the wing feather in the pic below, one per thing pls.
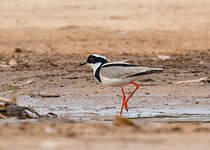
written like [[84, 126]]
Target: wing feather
[[124, 71]]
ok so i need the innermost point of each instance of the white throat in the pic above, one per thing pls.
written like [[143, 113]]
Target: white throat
[[95, 66]]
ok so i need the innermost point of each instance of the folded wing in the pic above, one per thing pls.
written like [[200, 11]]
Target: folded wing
[[122, 70]]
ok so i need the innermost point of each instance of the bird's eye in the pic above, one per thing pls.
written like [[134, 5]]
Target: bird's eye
[[92, 59]]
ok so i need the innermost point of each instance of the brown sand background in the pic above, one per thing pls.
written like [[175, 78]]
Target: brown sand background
[[56, 35], [105, 26]]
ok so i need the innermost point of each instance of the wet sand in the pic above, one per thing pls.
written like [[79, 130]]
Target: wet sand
[[55, 37]]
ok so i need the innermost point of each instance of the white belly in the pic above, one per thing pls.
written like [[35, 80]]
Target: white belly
[[114, 81]]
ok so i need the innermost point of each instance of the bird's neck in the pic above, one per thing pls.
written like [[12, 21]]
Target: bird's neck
[[96, 70], [96, 66]]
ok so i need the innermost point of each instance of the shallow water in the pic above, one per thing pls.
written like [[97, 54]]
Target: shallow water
[[92, 110]]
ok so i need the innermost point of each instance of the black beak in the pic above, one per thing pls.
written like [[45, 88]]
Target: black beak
[[82, 64]]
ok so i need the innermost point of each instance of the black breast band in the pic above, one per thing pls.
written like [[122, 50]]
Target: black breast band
[[98, 72]]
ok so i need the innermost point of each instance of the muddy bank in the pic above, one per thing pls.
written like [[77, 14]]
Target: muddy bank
[[55, 83], [42, 45], [92, 136]]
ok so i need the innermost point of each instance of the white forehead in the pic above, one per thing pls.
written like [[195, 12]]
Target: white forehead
[[96, 55]]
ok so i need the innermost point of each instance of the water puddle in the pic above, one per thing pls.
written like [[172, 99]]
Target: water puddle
[[87, 110]]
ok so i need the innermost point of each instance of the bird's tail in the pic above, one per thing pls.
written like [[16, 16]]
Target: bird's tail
[[156, 70]]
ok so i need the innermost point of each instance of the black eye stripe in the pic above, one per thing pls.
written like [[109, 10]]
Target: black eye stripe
[[92, 59]]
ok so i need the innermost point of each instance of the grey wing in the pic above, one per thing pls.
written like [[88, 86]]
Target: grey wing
[[125, 72]]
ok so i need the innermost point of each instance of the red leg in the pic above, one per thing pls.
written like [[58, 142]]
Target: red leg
[[126, 106], [123, 101]]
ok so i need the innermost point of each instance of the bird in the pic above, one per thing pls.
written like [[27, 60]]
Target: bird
[[118, 74]]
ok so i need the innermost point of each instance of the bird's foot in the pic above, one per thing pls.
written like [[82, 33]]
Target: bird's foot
[[126, 107]]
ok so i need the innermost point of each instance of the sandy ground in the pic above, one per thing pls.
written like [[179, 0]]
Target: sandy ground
[[100, 136], [54, 37]]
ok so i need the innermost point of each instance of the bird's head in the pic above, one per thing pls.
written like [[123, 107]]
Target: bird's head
[[95, 61]]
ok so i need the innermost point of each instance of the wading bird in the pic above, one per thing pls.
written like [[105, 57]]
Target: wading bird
[[118, 74]]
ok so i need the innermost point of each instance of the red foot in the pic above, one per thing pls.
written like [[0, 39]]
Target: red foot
[[124, 103], [126, 106]]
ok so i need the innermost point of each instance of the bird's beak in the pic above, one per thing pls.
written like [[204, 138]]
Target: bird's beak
[[82, 64]]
